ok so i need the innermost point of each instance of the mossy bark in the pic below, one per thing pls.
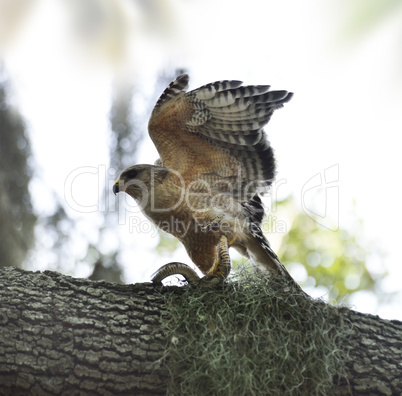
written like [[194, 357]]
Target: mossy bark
[[66, 336]]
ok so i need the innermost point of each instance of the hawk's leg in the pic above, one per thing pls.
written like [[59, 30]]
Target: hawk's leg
[[222, 266], [213, 225]]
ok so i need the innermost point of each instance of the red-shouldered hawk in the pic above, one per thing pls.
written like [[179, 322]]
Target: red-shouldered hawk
[[214, 160]]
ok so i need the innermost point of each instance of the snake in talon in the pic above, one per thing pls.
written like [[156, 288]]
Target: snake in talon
[[175, 268], [218, 273]]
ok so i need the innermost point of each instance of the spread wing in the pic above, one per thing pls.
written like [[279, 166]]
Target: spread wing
[[215, 133]]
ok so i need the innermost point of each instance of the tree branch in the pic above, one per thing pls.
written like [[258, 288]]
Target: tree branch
[[60, 335]]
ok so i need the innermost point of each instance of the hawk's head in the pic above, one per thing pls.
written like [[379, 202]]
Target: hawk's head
[[138, 180]]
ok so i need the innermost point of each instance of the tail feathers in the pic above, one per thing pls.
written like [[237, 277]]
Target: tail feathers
[[254, 209], [262, 254], [264, 257]]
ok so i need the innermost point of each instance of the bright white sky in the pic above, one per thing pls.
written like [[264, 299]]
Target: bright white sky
[[345, 115]]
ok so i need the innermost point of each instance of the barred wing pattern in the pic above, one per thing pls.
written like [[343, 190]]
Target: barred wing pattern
[[215, 133]]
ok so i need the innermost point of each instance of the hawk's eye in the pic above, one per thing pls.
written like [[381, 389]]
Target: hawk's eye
[[131, 174]]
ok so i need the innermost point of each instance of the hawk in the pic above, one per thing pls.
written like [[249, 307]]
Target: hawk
[[215, 159]]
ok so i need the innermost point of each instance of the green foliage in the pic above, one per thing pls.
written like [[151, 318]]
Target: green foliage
[[368, 14], [252, 336], [333, 259]]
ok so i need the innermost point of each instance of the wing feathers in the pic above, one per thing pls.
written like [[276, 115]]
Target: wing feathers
[[231, 138], [208, 91], [175, 88], [227, 119], [228, 97], [246, 128]]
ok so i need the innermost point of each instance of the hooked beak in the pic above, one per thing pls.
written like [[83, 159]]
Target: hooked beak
[[116, 187]]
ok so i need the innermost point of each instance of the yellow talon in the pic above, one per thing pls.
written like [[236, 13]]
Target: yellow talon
[[214, 269], [232, 241]]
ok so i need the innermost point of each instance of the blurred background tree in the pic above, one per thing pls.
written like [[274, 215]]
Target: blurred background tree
[[17, 218]]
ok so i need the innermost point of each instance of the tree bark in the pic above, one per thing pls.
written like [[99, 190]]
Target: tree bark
[[66, 336]]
